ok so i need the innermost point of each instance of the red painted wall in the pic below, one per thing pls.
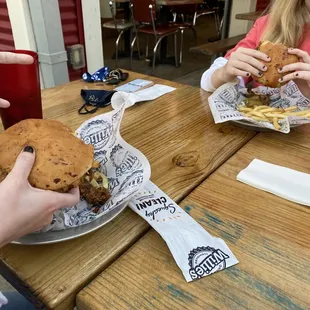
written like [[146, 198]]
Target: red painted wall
[[72, 28], [6, 36]]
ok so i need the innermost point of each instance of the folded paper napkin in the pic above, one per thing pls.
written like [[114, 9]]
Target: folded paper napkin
[[283, 182], [147, 94]]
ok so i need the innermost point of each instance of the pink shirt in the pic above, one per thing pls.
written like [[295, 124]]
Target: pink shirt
[[253, 38]]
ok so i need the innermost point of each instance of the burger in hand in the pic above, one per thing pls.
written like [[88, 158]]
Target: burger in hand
[[279, 58], [63, 161]]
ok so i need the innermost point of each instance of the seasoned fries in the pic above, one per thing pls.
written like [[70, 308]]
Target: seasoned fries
[[263, 113]]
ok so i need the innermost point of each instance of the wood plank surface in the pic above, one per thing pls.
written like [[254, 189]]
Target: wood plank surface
[[252, 16], [269, 235], [177, 134], [217, 46]]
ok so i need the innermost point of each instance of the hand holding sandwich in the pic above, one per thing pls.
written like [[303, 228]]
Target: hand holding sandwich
[[286, 64], [23, 208], [244, 62], [298, 71]]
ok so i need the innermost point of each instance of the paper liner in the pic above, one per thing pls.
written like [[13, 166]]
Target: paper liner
[[225, 100]]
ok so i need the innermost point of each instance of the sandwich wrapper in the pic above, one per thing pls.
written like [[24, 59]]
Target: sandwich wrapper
[[196, 252], [126, 168], [225, 100], [281, 181]]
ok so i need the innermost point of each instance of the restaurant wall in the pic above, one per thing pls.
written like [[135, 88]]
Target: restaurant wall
[[72, 29], [6, 35], [241, 26], [93, 34], [105, 9]]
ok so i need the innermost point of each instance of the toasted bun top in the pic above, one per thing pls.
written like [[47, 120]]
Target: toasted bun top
[[279, 58], [61, 158]]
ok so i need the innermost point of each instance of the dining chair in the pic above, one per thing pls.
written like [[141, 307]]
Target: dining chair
[[182, 11], [144, 21], [120, 25], [210, 7]]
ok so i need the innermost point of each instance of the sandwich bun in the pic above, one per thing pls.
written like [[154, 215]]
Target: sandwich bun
[[279, 58], [61, 161]]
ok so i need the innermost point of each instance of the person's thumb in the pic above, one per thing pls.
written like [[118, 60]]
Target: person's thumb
[[24, 163]]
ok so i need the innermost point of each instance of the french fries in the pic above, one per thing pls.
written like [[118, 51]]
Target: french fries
[[276, 124], [263, 113]]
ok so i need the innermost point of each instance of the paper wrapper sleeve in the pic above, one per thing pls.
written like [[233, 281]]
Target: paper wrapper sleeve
[[195, 251]]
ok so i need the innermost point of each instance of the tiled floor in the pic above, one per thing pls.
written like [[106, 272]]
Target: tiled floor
[[192, 67], [188, 73]]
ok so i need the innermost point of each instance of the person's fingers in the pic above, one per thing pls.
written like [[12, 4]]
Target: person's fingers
[[254, 53], [23, 164], [14, 58], [301, 54], [301, 75], [66, 200], [299, 66], [247, 68], [253, 62], [75, 191], [4, 103], [48, 220], [233, 71]]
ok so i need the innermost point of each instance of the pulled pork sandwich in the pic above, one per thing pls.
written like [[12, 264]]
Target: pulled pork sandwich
[[63, 161], [279, 58]]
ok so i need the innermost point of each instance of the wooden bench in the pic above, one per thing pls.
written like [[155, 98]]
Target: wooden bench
[[252, 16], [217, 47]]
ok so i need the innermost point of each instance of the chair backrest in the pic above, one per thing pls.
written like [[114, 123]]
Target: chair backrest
[[142, 12], [112, 9], [186, 9], [210, 4]]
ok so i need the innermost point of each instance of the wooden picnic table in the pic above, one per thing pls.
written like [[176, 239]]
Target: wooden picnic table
[[269, 236], [252, 16], [177, 134]]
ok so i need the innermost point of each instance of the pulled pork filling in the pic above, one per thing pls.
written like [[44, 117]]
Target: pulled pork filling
[[94, 186]]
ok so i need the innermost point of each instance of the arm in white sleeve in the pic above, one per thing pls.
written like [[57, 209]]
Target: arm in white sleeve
[[206, 83], [3, 300]]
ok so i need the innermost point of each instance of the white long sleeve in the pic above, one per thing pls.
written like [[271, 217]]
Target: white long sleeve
[[3, 300], [205, 82]]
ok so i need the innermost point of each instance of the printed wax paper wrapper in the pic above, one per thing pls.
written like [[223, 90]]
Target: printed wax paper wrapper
[[196, 252], [126, 168], [226, 99]]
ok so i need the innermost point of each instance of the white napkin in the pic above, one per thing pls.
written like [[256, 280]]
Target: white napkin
[[283, 182], [147, 94]]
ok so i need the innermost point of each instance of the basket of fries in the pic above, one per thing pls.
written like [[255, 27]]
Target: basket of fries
[[261, 108]]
